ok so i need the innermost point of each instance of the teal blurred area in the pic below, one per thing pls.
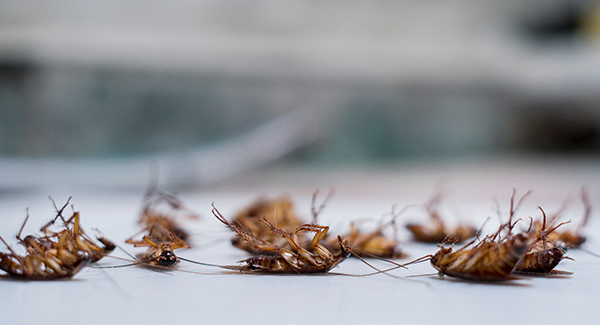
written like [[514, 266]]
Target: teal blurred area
[[210, 89]]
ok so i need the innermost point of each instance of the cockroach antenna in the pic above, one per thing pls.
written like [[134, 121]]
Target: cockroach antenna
[[587, 206], [315, 212], [480, 231], [58, 213], [404, 266], [201, 263]]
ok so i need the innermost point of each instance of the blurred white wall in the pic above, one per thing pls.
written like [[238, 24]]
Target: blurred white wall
[[381, 80]]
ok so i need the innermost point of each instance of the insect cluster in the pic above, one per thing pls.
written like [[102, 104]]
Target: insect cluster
[[55, 254], [280, 241], [506, 253]]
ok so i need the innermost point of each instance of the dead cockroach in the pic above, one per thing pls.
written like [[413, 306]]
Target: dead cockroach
[[38, 265], [437, 231], [543, 256], [49, 258], [162, 234], [573, 238], [487, 261], [374, 243], [161, 245], [152, 213], [293, 260], [276, 211], [296, 259], [493, 258], [73, 228]]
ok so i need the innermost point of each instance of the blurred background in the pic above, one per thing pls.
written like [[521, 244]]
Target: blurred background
[[97, 93]]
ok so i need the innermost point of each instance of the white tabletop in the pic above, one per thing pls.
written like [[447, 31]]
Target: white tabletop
[[209, 295]]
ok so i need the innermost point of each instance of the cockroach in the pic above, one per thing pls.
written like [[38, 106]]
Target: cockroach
[[151, 214], [574, 238], [374, 243], [493, 258], [296, 259], [437, 231], [162, 234], [49, 258], [276, 211], [38, 265], [543, 256], [487, 261], [283, 260], [73, 228], [161, 245]]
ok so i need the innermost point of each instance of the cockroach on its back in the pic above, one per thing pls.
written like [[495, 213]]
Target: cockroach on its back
[[486, 261], [82, 241], [283, 260], [541, 259], [437, 231], [50, 257], [493, 258], [39, 265], [162, 235], [151, 214], [374, 243], [161, 245], [276, 211], [296, 260], [573, 238], [543, 255]]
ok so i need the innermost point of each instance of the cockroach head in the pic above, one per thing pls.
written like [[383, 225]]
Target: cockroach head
[[167, 256], [30, 240], [441, 253], [108, 245], [344, 246]]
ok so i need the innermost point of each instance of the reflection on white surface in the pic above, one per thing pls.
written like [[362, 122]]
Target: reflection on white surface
[[137, 295]]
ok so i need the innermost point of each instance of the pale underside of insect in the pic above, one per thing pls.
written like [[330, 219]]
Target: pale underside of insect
[[40, 267], [295, 260], [278, 212], [50, 257], [82, 241], [161, 245], [487, 261]]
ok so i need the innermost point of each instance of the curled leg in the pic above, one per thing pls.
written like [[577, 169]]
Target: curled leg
[[320, 233]]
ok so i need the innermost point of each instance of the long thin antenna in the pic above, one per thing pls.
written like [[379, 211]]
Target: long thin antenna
[[588, 207]]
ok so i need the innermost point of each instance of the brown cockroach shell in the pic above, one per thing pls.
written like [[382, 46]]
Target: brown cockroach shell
[[540, 259], [487, 261]]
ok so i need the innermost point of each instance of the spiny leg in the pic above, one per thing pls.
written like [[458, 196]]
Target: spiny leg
[[320, 233], [289, 236]]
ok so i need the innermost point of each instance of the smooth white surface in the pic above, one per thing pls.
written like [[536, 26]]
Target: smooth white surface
[[136, 295]]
